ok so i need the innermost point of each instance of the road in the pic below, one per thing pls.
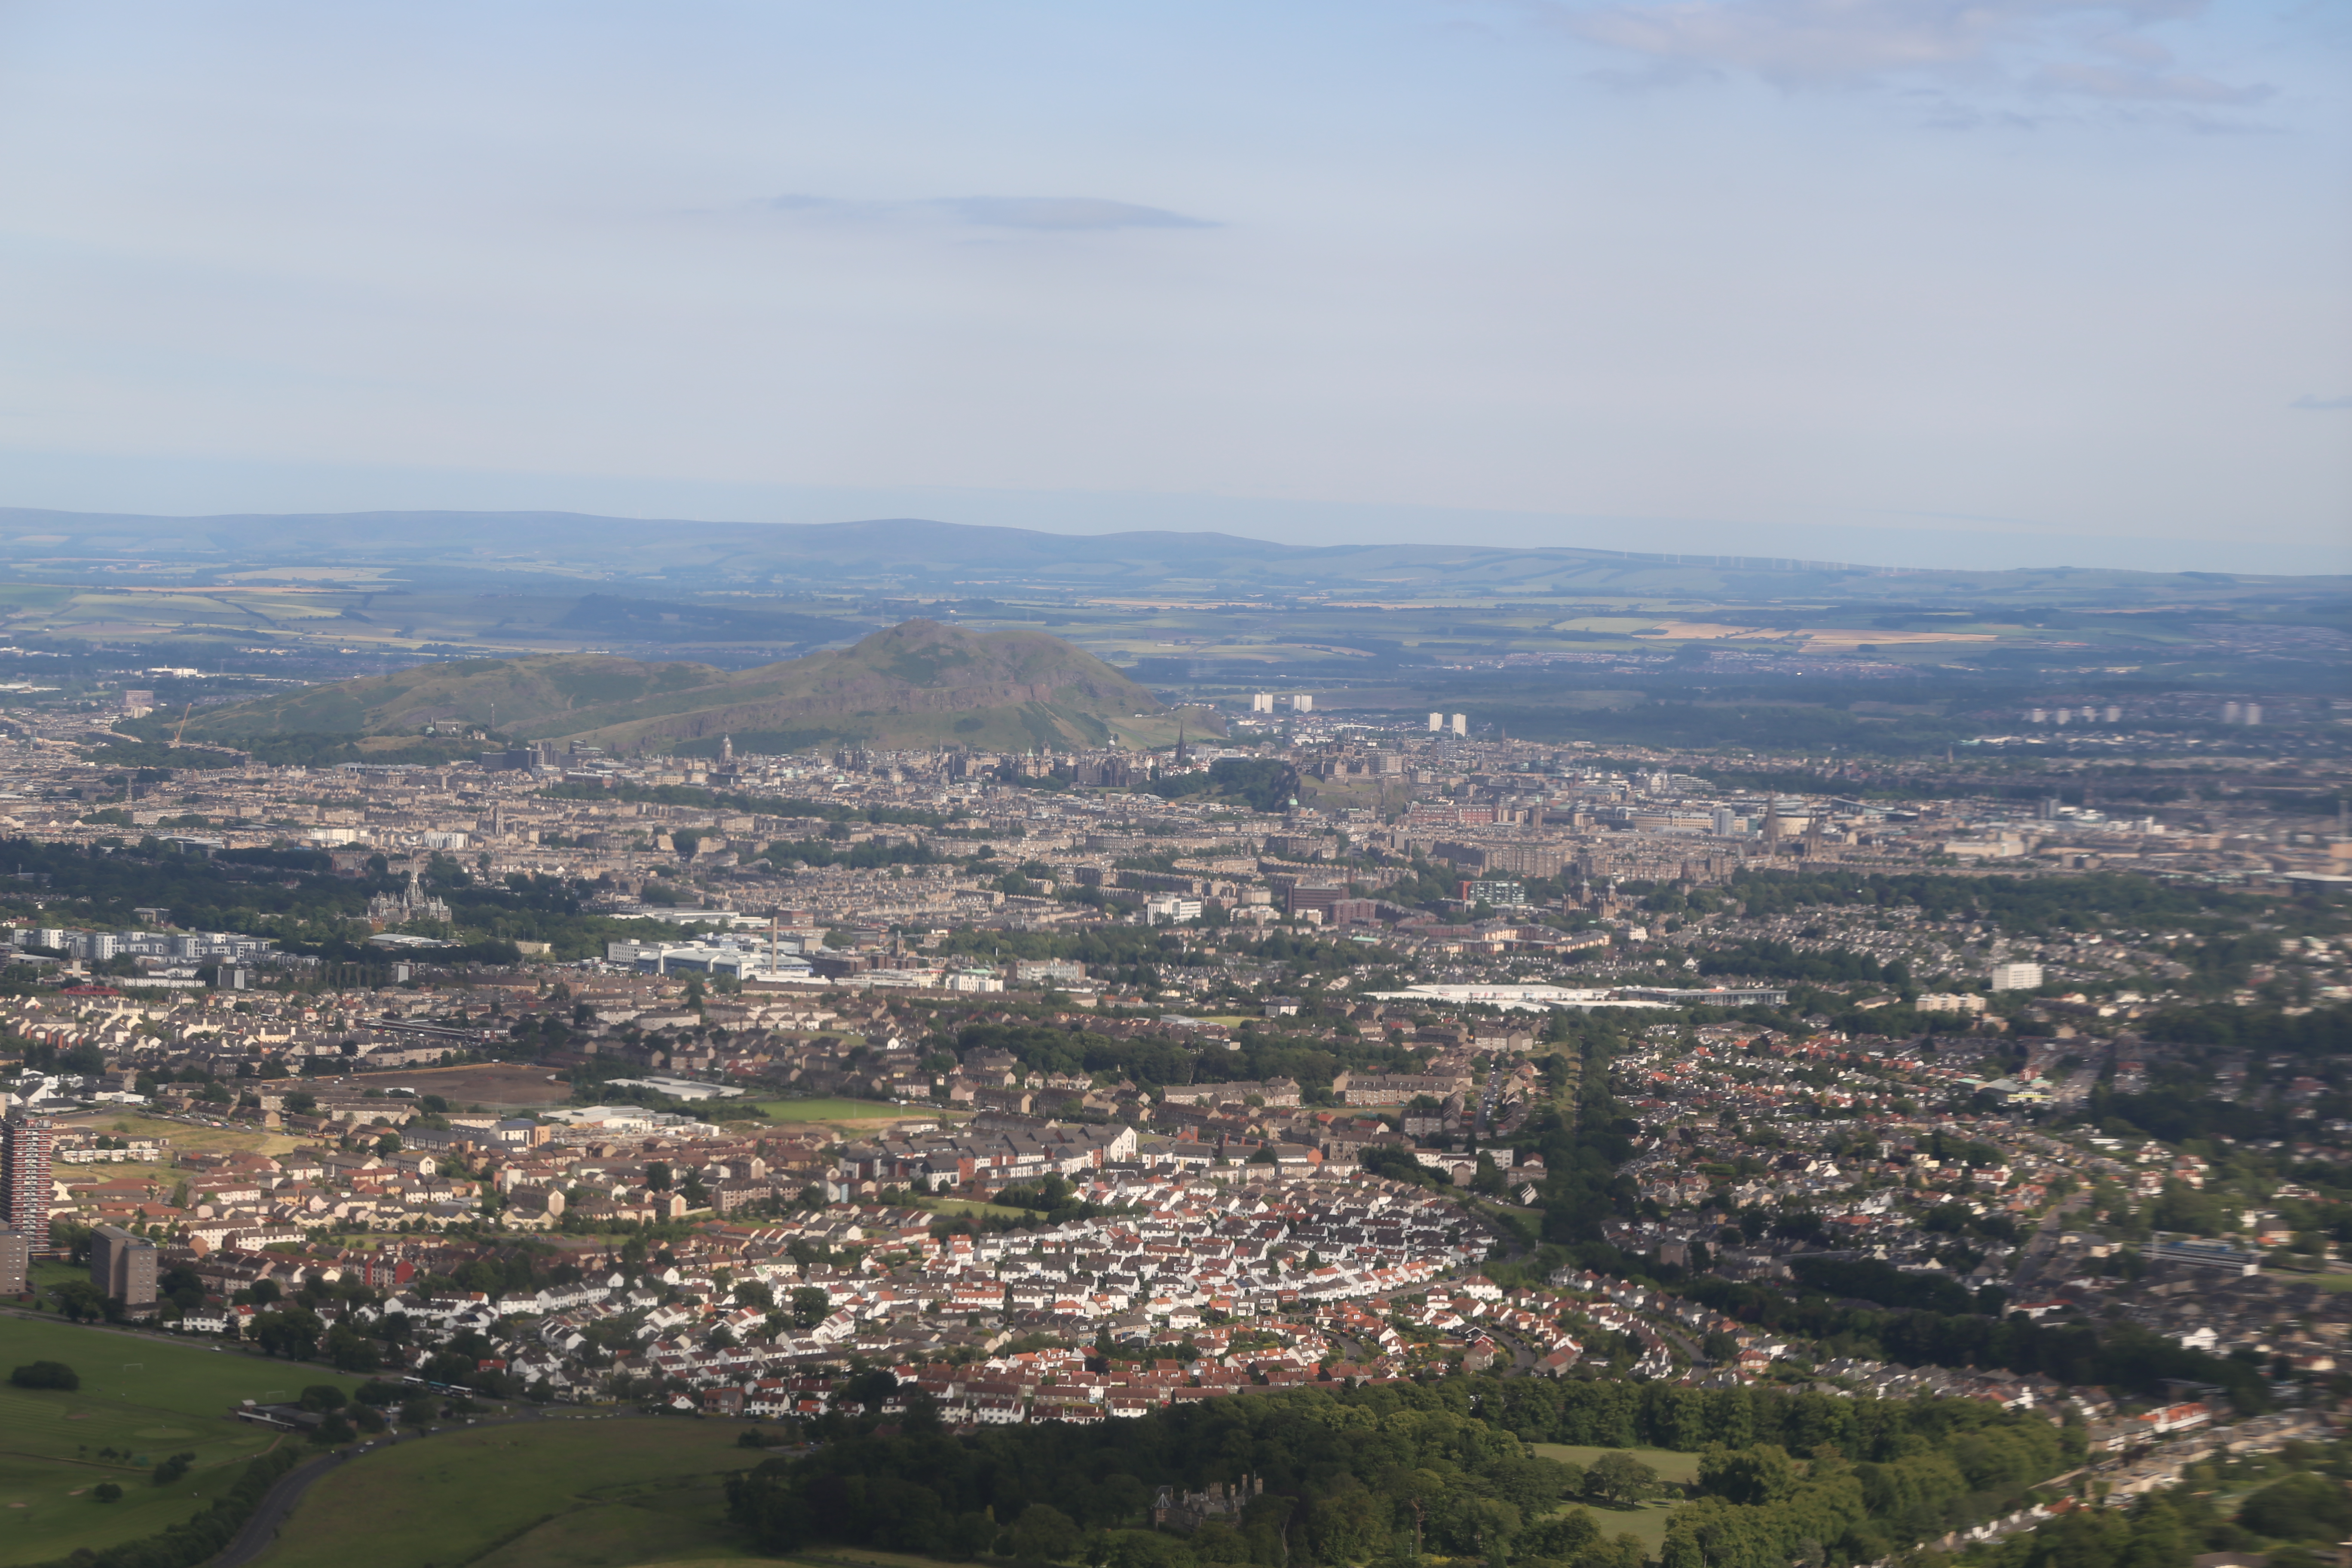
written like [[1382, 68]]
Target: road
[[2040, 1247], [280, 1500], [262, 1528], [1485, 1123]]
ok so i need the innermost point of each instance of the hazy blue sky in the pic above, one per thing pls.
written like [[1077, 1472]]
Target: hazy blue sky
[[1910, 280]]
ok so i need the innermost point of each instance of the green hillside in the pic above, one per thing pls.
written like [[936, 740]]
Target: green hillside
[[916, 684]]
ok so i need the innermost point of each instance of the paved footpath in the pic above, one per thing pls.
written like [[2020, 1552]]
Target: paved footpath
[[261, 1529]]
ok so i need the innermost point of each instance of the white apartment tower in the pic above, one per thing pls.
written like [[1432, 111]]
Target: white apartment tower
[[2017, 976]]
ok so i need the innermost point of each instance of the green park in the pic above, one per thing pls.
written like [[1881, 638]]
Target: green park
[[142, 1400]]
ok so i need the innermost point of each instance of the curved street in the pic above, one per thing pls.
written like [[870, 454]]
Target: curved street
[[258, 1531]]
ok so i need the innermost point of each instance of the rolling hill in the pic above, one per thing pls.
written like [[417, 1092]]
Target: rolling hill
[[916, 684], [485, 549]]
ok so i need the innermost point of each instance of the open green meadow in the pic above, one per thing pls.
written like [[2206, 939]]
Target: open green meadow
[[2335, 1284], [145, 1397], [837, 1110], [816, 1557], [972, 1206], [1676, 1468], [1645, 1523], [49, 1273], [598, 1493], [183, 1135]]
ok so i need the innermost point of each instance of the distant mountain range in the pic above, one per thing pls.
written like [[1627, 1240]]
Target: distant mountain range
[[917, 684], [919, 555]]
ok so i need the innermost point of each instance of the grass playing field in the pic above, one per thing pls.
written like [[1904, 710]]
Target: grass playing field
[[183, 1135], [819, 1557], [143, 1397], [973, 1206], [838, 1110], [1672, 1467], [1645, 1523], [596, 1493]]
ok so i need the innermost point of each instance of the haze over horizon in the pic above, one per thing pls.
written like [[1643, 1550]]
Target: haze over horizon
[[2043, 282]]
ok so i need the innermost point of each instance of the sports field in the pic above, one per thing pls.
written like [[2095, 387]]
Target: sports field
[[143, 1397], [185, 1136], [972, 1206], [1645, 1523], [586, 1491], [1673, 1467], [827, 1556], [840, 1110]]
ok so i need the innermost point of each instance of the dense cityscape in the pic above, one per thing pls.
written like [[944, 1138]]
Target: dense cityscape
[[951, 1090]]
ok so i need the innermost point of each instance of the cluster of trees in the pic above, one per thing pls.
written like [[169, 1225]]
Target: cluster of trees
[[2113, 1355], [45, 1374], [1776, 959], [1373, 1473], [1341, 1479], [2295, 1521], [1264, 784], [2021, 905], [292, 895], [291, 1327], [2179, 1104], [200, 1539], [1757, 1508]]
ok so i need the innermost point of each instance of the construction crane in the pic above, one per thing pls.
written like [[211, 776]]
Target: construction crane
[[182, 728]]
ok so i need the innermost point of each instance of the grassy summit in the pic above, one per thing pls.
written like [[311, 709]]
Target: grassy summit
[[916, 684]]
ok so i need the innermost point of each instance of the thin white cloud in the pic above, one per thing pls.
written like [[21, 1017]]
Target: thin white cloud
[[2307, 401], [2143, 85], [1063, 215], [1987, 45]]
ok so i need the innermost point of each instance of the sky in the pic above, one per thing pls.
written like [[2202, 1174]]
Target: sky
[[1919, 282]]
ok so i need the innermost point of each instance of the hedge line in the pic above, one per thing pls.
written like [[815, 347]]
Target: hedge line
[[200, 1539]]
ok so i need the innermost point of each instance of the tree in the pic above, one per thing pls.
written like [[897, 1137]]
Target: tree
[[45, 1374], [1347, 1526], [323, 1397], [755, 1293], [290, 1331], [2157, 1538], [2303, 1506], [811, 1306], [868, 1389], [79, 1299], [1564, 1537], [658, 1176], [351, 1351], [1044, 1531], [1617, 1477], [1750, 1476], [181, 1286]]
